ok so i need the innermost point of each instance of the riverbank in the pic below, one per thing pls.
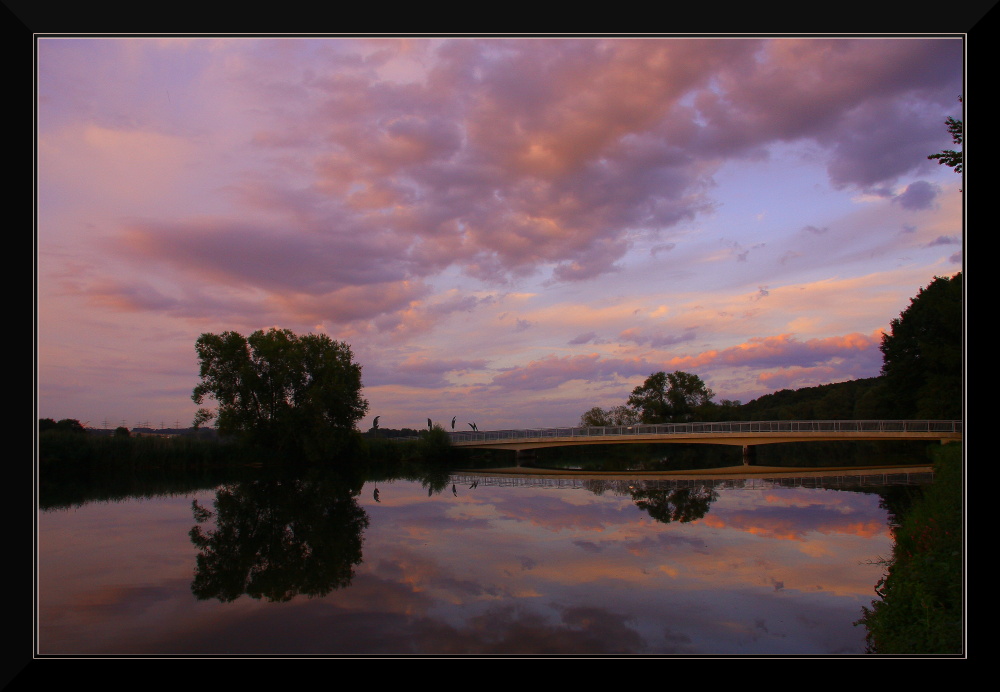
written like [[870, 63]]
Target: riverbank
[[921, 606]]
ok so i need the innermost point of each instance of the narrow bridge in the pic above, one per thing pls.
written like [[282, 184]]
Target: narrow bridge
[[744, 433]]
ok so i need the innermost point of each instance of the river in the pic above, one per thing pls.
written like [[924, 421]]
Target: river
[[470, 564]]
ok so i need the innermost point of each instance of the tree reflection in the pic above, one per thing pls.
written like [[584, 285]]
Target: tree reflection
[[673, 504], [276, 539]]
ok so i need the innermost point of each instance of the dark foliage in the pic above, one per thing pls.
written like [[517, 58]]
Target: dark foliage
[[950, 157], [838, 401], [922, 355], [276, 390], [920, 605]]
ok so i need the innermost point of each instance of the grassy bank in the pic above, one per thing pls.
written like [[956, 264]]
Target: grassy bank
[[82, 452], [920, 609], [80, 457]]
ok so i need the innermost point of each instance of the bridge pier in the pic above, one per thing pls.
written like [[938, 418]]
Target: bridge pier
[[523, 455], [749, 455]]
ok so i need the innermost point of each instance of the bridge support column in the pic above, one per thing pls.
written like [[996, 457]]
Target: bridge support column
[[749, 455]]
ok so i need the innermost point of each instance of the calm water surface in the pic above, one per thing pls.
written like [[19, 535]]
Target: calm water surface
[[558, 567]]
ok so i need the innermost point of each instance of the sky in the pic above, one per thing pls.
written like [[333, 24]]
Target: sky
[[509, 231]]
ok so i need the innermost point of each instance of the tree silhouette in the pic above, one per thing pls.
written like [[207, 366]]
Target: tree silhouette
[[950, 157], [674, 504], [280, 390], [276, 539], [922, 354], [670, 398]]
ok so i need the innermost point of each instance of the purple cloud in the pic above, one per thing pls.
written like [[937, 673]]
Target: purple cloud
[[640, 337], [583, 339], [918, 195], [553, 371], [512, 157], [425, 373]]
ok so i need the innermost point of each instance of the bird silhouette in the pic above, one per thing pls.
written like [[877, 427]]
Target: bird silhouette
[[376, 495], [453, 422], [430, 426], [375, 422], [473, 426]]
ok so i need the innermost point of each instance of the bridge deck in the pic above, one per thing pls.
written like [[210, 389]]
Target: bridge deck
[[742, 433]]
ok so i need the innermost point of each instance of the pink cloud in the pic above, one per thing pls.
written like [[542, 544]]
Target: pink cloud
[[796, 360], [785, 350], [515, 156], [797, 523]]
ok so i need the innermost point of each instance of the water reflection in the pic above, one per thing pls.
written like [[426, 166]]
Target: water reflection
[[464, 564], [679, 504], [277, 539]]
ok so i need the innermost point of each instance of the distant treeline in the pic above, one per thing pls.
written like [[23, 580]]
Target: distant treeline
[[864, 399], [853, 400]]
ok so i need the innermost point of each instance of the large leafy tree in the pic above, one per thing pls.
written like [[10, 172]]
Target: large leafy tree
[[670, 397], [280, 390], [922, 354]]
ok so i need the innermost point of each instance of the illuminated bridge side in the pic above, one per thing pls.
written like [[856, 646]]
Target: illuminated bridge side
[[742, 433], [619, 485]]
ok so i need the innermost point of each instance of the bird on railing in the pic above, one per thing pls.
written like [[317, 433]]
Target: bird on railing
[[473, 426], [453, 422]]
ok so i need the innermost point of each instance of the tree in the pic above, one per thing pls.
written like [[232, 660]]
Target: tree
[[670, 398], [922, 354], [650, 399], [596, 417], [950, 157], [202, 416], [599, 417], [623, 415], [280, 390]]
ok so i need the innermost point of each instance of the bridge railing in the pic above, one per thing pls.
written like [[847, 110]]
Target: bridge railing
[[734, 427]]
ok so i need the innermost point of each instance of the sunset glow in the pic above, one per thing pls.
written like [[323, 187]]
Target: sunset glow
[[510, 231]]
